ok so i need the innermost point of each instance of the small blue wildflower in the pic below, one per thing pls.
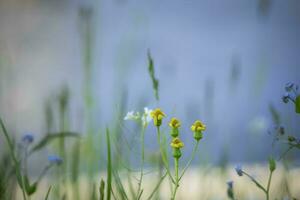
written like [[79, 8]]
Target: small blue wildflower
[[281, 130], [53, 159], [286, 97], [230, 184], [28, 138], [289, 86], [239, 170]]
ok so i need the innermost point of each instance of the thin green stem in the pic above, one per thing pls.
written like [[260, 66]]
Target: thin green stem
[[16, 162], [164, 159], [139, 192], [176, 177], [48, 193], [190, 161], [285, 152], [269, 184], [256, 182], [109, 166], [157, 186]]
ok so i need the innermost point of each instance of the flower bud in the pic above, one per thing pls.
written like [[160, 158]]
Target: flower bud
[[174, 124], [176, 153], [197, 128], [198, 135], [176, 144], [239, 170], [230, 193], [28, 138], [157, 116], [272, 164]]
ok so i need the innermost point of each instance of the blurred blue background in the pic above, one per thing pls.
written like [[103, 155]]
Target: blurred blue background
[[224, 62]]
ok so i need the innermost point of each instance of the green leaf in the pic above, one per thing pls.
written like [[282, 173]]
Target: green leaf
[[50, 137], [297, 104]]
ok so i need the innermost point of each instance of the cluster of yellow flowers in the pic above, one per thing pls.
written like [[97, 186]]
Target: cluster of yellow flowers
[[197, 127]]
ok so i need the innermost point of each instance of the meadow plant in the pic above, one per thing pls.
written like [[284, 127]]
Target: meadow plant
[[266, 189], [26, 148], [176, 144], [291, 95], [157, 116]]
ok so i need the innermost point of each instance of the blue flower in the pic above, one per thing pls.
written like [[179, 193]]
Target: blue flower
[[239, 170], [28, 138], [286, 97], [230, 184], [289, 86], [55, 160], [291, 92]]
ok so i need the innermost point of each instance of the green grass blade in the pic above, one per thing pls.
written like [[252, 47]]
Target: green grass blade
[[101, 189], [109, 167], [16, 163], [49, 138], [155, 82], [119, 185]]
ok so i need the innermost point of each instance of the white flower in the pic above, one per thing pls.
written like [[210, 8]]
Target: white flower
[[146, 116], [132, 116]]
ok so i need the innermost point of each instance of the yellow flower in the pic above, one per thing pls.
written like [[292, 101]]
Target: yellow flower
[[157, 116], [177, 143], [174, 123], [198, 126]]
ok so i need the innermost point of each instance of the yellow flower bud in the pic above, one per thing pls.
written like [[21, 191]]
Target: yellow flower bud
[[177, 143], [157, 116], [197, 128], [174, 124]]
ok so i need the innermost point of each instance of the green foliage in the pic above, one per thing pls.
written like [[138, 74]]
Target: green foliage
[[13, 156], [155, 82], [50, 137], [75, 162], [30, 188], [6, 177], [101, 189], [109, 166]]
